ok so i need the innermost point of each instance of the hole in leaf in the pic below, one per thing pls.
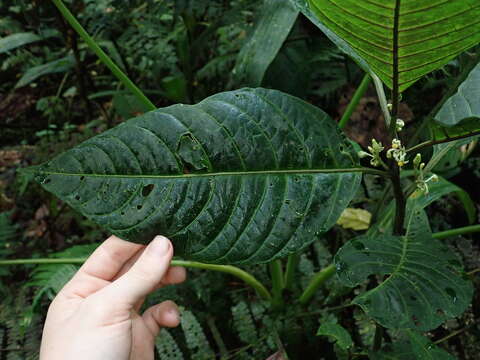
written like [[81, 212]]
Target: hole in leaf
[[452, 293], [440, 312], [47, 180], [82, 178], [139, 207], [415, 320], [122, 213], [287, 201], [455, 263], [358, 245], [77, 197], [147, 189], [413, 298]]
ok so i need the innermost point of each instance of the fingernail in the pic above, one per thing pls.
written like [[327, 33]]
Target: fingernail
[[160, 245], [175, 314]]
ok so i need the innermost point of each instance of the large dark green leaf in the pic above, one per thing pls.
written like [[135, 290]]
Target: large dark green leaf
[[421, 281], [415, 346], [399, 39], [465, 104], [238, 178], [273, 27]]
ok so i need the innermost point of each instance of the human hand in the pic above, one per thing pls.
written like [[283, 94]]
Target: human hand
[[96, 314]]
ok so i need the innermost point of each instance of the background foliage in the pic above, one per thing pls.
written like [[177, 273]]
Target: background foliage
[[55, 93]]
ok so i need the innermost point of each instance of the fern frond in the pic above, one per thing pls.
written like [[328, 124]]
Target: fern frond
[[243, 323], [167, 347], [195, 337]]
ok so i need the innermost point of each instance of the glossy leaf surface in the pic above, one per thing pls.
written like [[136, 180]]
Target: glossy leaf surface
[[273, 26], [404, 38], [421, 281], [464, 104], [237, 178]]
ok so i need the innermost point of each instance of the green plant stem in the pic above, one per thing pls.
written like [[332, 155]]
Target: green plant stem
[[228, 269], [457, 231], [218, 338], [382, 99], [276, 273], [102, 55], [292, 264], [362, 88], [317, 280], [436, 142], [400, 201]]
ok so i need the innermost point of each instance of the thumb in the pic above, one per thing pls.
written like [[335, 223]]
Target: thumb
[[144, 275]]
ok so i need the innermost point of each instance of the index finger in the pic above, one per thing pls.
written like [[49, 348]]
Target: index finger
[[102, 266]]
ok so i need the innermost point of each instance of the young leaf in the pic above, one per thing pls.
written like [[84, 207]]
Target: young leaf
[[341, 336], [415, 346], [399, 39], [273, 27], [13, 41], [241, 177], [421, 280]]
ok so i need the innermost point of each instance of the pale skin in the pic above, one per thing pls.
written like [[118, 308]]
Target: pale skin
[[96, 314]]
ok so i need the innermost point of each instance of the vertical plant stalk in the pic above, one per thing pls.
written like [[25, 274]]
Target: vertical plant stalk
[[292, 264], [276, 273], [357, 96], [228, 269], [318, 280], [81, 72], [378, 338], [400, 201], [102, 55]]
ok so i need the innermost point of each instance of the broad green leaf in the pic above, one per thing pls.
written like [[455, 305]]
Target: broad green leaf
[[241, 177], [399, 39], [341, 336], [421, 281], [463, 108], [58, 66], [440, 188], [415, 346], [418, 200], [11, 42], [274, 25], [466, 127]]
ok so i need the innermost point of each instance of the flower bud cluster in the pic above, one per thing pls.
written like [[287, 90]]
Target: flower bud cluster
[[420, 180], [374, 153], [398, 153]]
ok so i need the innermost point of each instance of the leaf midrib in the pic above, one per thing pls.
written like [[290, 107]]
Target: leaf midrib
[[233, 173]]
